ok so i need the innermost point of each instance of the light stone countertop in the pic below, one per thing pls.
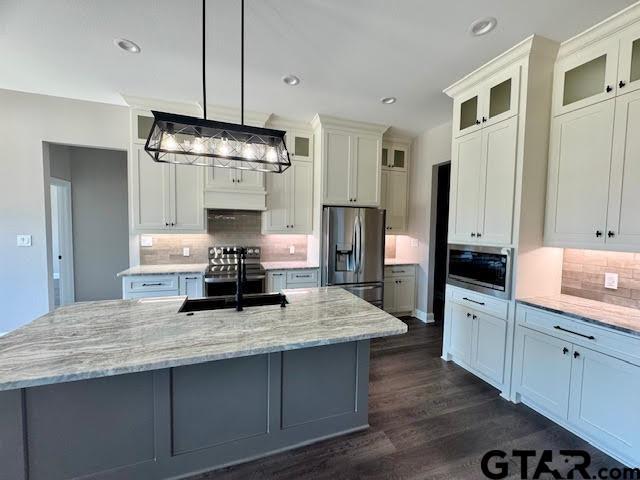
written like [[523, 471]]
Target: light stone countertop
[[97, 339], [619, 318], [389, 262], [289, 265], [165, 269]]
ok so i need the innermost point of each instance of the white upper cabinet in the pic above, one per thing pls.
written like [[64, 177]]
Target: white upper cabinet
[[350, 156], [579, 165], [492, 101], [629, 61], [165, 197], [395, 157], [394, 185], [482, 185]]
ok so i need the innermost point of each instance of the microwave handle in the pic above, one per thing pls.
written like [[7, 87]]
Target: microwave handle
[[472, 301]]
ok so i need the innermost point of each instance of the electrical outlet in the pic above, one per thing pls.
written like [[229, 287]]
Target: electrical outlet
[[292, 249], [414, 242], [146, 241], [611, 281], [23, 240], [185, 251]]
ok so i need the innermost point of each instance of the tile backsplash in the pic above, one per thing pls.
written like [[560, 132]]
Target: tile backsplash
[[583, 276], [225, 227]]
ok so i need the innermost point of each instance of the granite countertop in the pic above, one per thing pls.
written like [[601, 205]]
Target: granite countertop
[[165, 269], [624, 319], [388, 262], [291, 265], [97, 339]]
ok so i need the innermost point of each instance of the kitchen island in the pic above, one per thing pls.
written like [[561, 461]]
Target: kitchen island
[[134, 389]]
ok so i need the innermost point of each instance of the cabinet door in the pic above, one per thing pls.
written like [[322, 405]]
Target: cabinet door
[[502, 96], [191, 286], [544, 370], [151, 198], [604, 401], [187, 190], [623, 221], [586, 77], [396, 201], [389, 295], [300, 145], [384, 196], [386, 158], [498, 178], [465, 187], [276, 281], [301, 197], [467, 113], [461, 333], [629, 61], [490, 346], [579, 166], [405, 294], [337, 168], [220, 178], [399, 157], [366, 171], [249, 180], [276, 218]]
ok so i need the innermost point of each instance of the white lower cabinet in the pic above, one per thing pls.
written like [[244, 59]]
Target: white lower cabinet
[[476, 335], [287, 279], [587, 381], [399, 294], [147, 286]]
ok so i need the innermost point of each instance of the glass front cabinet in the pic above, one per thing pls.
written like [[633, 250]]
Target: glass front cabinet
[[494, 100]]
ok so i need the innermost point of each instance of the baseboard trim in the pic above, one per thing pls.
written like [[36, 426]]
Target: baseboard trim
[[424, 317]]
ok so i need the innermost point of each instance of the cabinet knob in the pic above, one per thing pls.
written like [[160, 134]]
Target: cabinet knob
[[474, 316], [468, 314], [611, 233], [565, 350], [598, 233], [477, 122], [478, 234], [473, 234], [621, 84], [576, 354], [484, 119], [173, 224], [609, 88], [166, 224]]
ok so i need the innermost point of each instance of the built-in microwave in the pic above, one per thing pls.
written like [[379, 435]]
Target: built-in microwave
[[483, 269]]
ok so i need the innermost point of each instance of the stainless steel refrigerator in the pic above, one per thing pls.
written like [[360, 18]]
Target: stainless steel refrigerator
[[352, 251]]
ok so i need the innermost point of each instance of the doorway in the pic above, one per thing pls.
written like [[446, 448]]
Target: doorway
[[62, 242], [441, 232]]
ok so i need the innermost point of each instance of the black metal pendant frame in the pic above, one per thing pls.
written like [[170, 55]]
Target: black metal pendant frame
[[186, 140]]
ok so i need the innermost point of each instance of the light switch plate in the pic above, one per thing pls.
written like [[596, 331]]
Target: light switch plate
[[611, 281], [292, 249], [185, 251], [414, 242], [146, 241], [23, 240]]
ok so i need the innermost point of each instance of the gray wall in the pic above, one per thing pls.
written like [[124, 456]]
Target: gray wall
[[100, 230], [26, 122]]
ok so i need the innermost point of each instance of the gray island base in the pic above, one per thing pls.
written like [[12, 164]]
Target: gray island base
[[191, 416]]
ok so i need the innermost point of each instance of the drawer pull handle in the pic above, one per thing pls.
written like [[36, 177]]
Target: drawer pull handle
[[191, 278], [152, 284], [590, 337], [303, 276], [397, 271], [472, 301]]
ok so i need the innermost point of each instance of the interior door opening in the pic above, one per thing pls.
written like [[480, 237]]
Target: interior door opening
[[62, 242], [441, 220]]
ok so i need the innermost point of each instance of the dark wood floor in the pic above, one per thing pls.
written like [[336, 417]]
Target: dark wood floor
[[429, 420]]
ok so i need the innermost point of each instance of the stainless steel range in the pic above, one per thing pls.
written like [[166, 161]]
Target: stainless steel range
[[222, 273]]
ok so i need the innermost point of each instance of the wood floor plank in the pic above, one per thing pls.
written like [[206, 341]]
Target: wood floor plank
[[430, 419]]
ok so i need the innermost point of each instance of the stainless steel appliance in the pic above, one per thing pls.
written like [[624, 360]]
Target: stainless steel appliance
[[222, 274], [352, 252], [482, 269]]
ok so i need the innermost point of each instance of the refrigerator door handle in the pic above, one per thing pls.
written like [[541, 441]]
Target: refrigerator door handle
[[359, 242]]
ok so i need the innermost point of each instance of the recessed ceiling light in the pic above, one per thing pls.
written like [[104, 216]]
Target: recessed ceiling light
[[127, 45], [388, 100], [483, 26], [291, 80]]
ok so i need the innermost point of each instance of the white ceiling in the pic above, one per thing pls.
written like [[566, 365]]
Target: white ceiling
[[348, 53]]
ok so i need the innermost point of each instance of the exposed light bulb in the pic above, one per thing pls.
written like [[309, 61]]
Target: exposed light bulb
[[224, 148], [198, 145], [272, 156], [169, 142], [248, 152]]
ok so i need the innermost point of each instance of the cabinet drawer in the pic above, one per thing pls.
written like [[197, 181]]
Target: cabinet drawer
[[301, 285], [156, 283], [481, 303], [579, 332], [302, 276], [399, 271]]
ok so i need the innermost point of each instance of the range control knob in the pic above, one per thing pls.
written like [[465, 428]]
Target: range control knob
[[256, 251]]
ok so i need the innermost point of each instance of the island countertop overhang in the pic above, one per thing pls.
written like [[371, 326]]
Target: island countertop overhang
[[96, 339]]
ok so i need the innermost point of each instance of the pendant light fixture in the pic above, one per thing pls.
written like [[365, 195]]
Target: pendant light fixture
[[185, 140]]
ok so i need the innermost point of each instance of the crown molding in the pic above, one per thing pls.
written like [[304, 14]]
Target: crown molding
[[284, 123], [344, 124], [599, 31], [505, 59], [143, 103]]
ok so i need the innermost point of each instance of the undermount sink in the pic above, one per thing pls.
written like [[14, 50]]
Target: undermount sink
[[219, 303]]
